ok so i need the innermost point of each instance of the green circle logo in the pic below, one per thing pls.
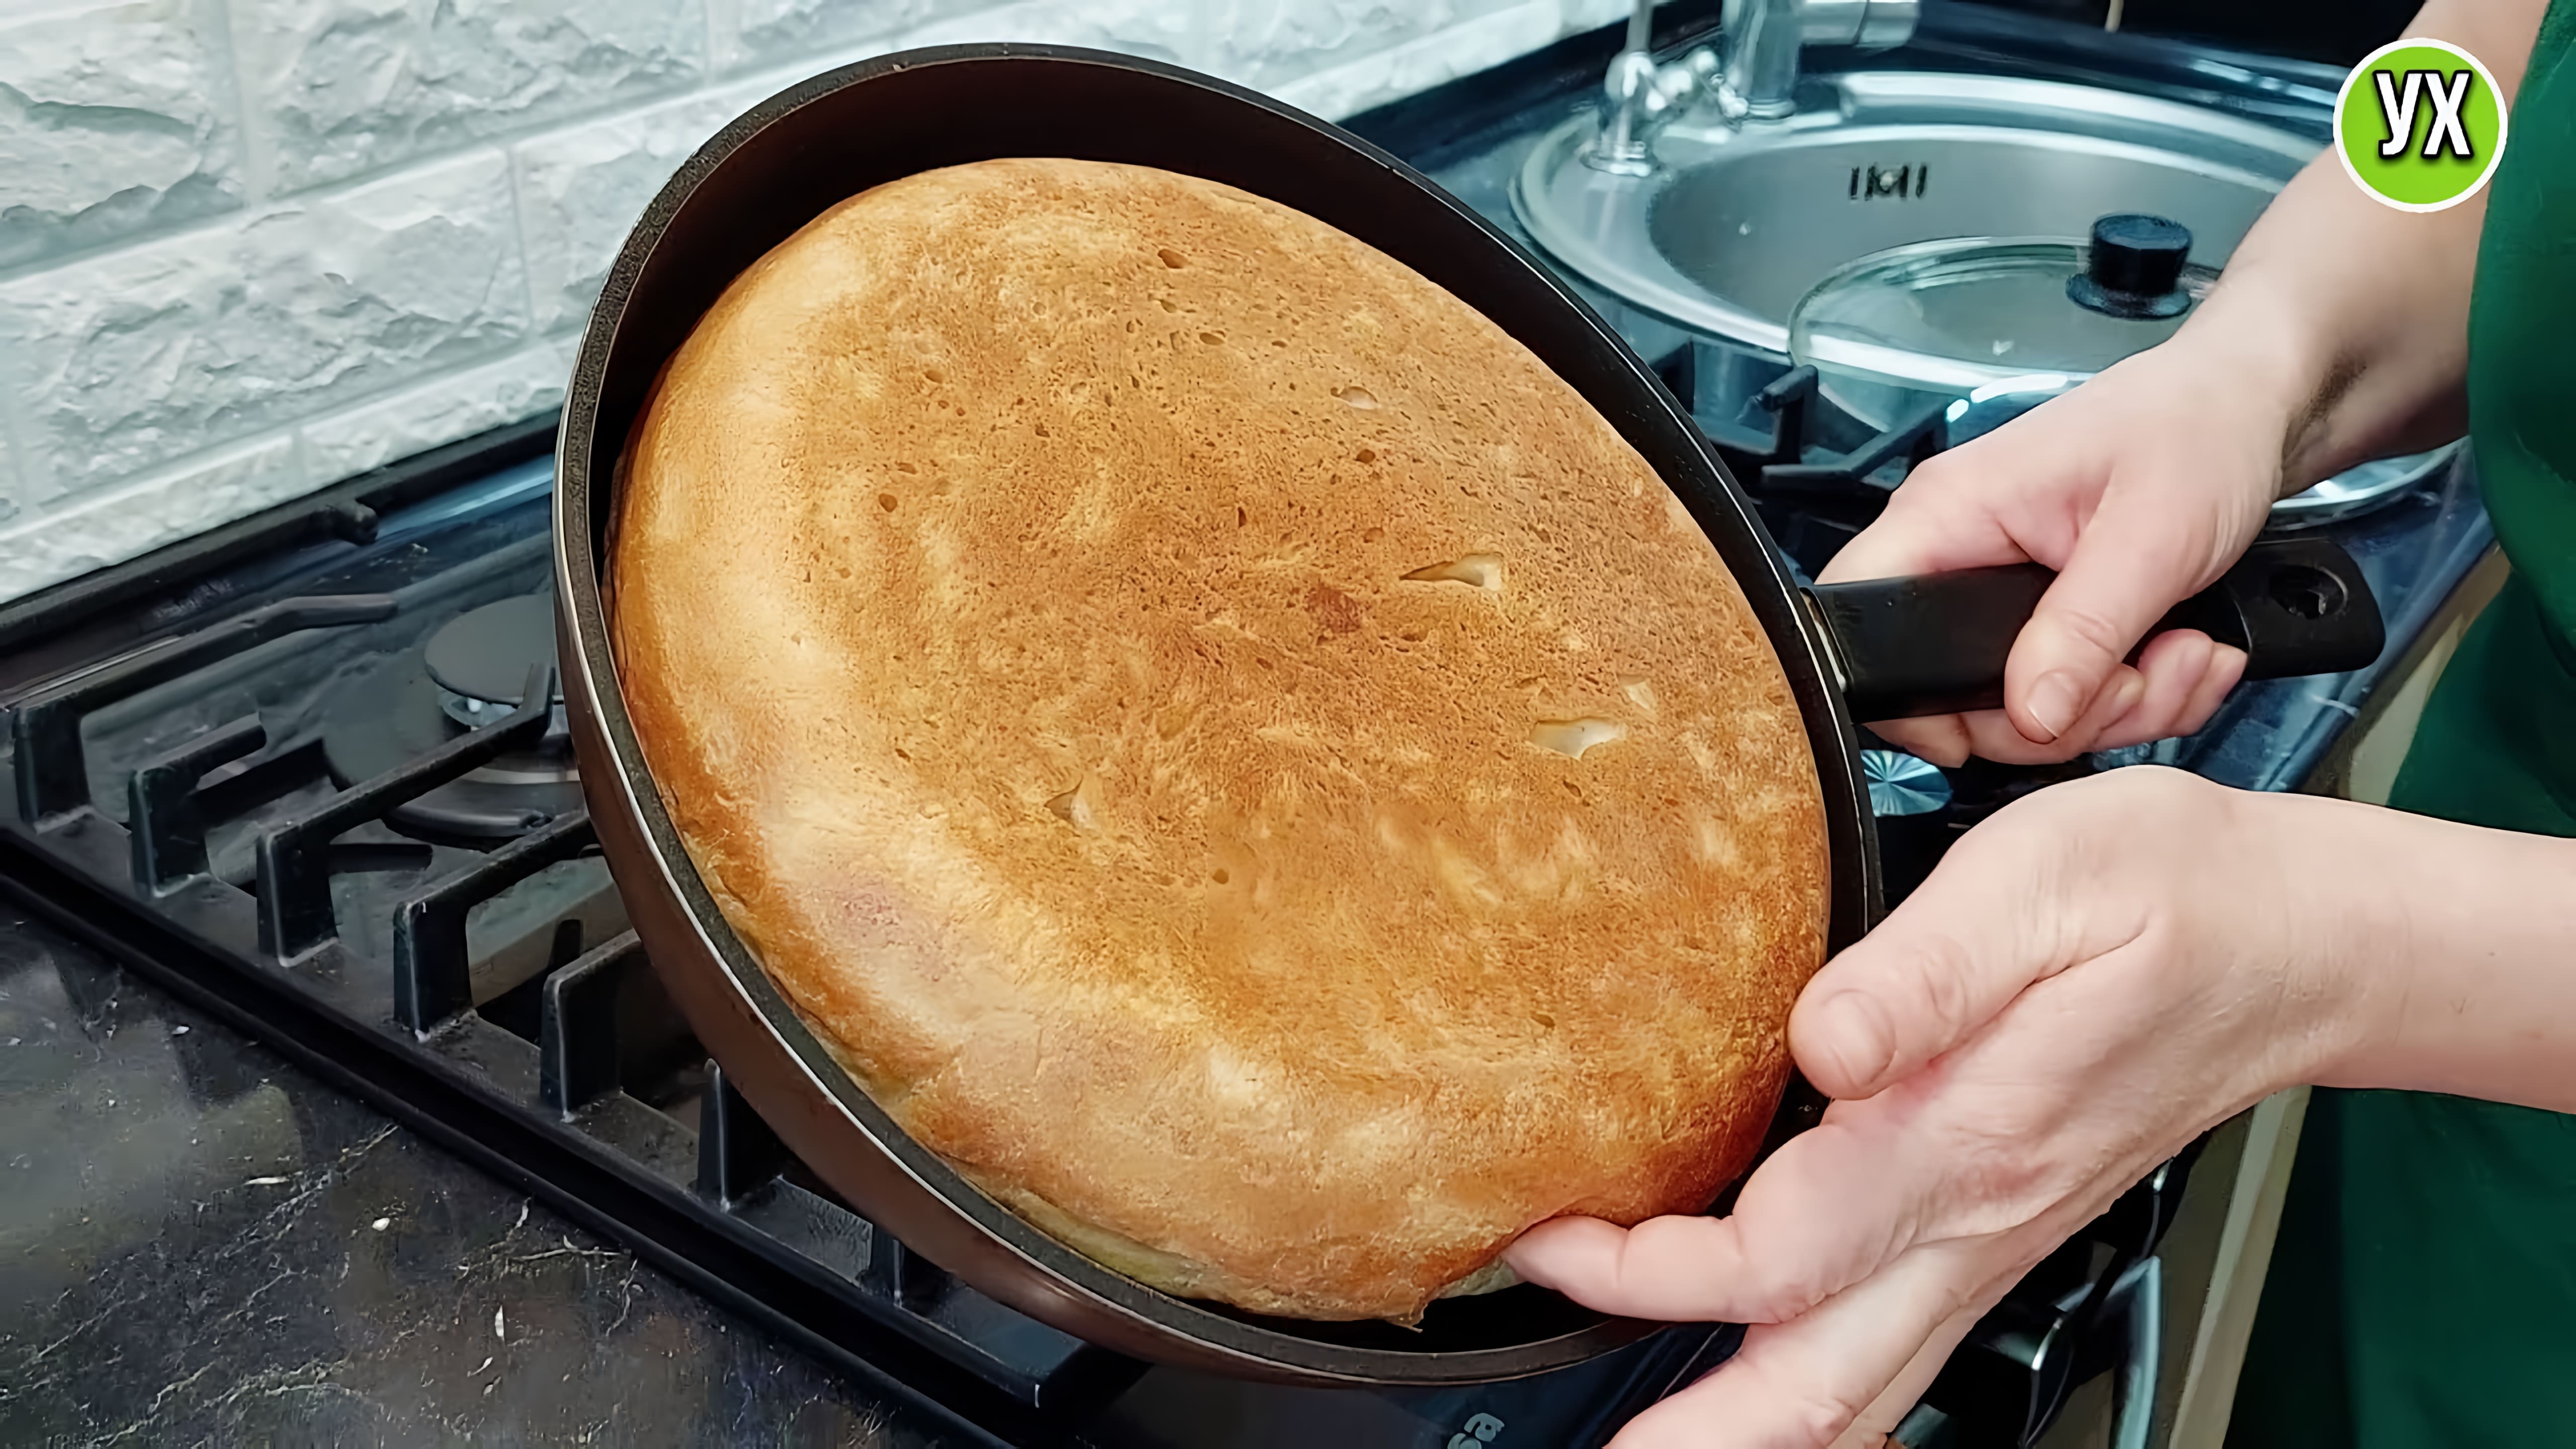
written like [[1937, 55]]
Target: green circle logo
[[2418, 125]]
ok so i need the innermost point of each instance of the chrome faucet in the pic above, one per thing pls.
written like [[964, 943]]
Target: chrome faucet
[[1751, 76]]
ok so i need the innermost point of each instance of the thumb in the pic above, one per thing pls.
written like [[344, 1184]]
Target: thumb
[[1940, 967], [2128, 566]]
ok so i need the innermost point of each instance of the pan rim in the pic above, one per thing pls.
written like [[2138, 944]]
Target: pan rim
[[625, 788]]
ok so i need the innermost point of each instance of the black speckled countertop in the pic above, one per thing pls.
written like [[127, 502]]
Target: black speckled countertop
[[200, 1243]]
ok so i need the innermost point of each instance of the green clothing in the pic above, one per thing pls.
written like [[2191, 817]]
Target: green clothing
[[2423, 1289]]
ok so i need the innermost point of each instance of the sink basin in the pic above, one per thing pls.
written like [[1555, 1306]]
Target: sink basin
[[1734, 225]]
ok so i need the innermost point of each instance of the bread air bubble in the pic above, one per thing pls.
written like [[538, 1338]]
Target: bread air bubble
[[1571, 737], [1476, 570]]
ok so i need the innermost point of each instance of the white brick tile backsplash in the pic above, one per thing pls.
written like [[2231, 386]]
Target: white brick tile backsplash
[[144, 513], [9, 484], [580, 191], [1266, 43], [127, 360], [457, 405], [1158, 29], [249, 247], [751, 33], [340, 87], [581, 188], [114, 119], [1380, 74], [1583, 15]]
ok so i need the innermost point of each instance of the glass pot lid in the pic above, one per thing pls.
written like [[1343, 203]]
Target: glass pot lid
[[1997, 326], [1960, 314]]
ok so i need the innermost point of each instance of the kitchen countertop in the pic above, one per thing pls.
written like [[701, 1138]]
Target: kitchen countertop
[[201, 1243]]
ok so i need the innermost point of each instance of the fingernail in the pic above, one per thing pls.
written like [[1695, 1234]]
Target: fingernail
[[2055, 701], [1856, 1035]]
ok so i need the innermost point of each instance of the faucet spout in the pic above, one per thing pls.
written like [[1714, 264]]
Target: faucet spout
[[1763, 39], [1753, 76], [1760, 68]]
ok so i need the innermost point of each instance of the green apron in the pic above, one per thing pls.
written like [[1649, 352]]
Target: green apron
[[2423, 1289]]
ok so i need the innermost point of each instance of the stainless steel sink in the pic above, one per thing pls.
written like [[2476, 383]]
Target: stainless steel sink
[[1733, 225]]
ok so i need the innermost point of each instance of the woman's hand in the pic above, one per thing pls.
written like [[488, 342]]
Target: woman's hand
[[2340, 334], [2140, 488], [2088, 981]]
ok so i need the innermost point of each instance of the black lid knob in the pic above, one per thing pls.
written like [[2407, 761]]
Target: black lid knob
[[2134, 268]]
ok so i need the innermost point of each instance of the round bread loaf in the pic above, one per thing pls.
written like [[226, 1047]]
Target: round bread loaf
[[1225, 746]]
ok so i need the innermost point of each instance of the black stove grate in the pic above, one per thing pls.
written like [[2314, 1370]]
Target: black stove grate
[[537, 1080]]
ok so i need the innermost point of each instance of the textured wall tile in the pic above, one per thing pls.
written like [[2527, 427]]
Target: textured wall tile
[[338, 87], [439, 411], [1169, 30], [357, 327], [1267, 43], [110, 124], [1382, 74], [1582, 15], [773, 32], [134, 358], [580, 191], [143, 515]]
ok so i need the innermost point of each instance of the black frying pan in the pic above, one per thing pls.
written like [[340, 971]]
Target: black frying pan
[[1863, 651]]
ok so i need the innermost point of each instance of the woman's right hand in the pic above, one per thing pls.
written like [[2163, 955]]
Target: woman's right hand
[[2140, 488], [2339, 334]]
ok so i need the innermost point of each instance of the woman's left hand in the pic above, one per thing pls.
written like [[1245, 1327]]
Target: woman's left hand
[[2088, 981]]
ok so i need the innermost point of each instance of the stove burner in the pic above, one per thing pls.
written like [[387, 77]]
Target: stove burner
[[480, 660], [472, 671]]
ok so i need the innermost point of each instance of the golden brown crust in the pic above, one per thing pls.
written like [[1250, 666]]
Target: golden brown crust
[[1113, 645]]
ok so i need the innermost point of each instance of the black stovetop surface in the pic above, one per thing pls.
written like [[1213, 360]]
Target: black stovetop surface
[[207, 1244], [202, 1242]]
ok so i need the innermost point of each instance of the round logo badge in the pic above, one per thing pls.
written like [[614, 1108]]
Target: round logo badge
[[2419, 125]]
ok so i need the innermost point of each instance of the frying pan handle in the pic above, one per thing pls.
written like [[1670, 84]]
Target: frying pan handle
[[1936, 643]]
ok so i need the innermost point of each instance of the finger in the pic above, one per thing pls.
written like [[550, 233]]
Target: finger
[[2193, 683], [2226, 670], [1929, 526], [1953, 954], [1828, 1209], [2173, 665], [1948, 740], [1909, 1386], [1942, 738], [1993, 736], [1800, 1385], [2128, 566], [1982, 503]]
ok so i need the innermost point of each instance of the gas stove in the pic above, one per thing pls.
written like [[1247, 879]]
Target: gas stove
[[309, 772]]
